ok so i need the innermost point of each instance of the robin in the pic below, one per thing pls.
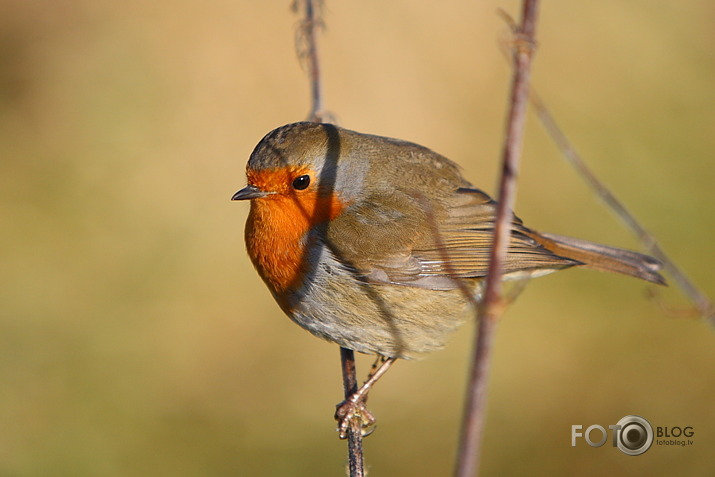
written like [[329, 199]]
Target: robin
[[370, 242]]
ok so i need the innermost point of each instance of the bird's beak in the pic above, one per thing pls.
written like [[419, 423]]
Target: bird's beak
[[249, 192]]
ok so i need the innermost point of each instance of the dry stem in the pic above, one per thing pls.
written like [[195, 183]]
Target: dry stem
[[468, 456], [355, 454], [701, 302], [307, 51]]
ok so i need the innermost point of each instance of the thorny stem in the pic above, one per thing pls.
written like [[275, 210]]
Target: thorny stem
[[468, 454]]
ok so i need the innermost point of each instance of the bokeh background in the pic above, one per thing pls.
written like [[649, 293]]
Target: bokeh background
[[135, 337]]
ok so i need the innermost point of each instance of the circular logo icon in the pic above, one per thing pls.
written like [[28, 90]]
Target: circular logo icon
[[635, 435]]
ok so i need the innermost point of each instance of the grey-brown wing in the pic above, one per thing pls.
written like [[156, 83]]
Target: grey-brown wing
[[460, 243], [400, 238]]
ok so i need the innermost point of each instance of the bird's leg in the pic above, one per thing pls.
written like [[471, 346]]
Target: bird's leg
[[373, 369], [354, 406]]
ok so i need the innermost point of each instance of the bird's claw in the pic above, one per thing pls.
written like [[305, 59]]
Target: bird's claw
[[352, 410]]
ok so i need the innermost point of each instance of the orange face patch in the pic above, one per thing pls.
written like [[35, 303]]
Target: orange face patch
[[277, 225]]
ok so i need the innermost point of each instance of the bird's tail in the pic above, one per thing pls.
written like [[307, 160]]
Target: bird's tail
[[603, 257]]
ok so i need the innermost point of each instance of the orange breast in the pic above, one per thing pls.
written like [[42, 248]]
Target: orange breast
[[276, 234]]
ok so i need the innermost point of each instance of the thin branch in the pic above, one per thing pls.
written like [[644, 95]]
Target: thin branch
[[307, 50], [703, 304], [355, 454], [468, 456]]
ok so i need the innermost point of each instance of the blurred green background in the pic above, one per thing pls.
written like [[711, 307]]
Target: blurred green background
[[137, 340]]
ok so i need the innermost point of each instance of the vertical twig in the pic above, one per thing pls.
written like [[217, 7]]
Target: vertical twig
[[355, 454], [468, 455], [307, 50], [701, 302]]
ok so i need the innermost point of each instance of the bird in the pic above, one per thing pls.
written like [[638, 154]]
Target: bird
[[370, 242]]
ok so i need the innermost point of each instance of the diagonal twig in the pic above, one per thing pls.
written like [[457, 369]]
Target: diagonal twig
[[468, 454], [701, 302], [703, 305]]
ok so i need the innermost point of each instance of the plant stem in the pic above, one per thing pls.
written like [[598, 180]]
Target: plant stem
[[355, 454], [468, 456]]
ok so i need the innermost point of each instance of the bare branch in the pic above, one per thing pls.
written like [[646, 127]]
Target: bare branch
[[703, 304], [468, 456], [306, 44], [355, 454]]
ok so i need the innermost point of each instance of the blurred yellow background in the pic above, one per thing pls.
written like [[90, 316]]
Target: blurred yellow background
[[137, 340]]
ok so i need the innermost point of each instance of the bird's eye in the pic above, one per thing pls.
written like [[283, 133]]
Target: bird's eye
[[301, 182]]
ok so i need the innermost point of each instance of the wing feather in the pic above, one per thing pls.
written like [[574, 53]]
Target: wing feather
[[400, 238]]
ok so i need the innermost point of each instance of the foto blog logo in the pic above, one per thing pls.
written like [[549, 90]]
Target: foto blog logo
[[633, 435]]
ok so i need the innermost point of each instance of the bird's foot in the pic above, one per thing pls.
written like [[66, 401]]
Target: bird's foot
[[354, 413]]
